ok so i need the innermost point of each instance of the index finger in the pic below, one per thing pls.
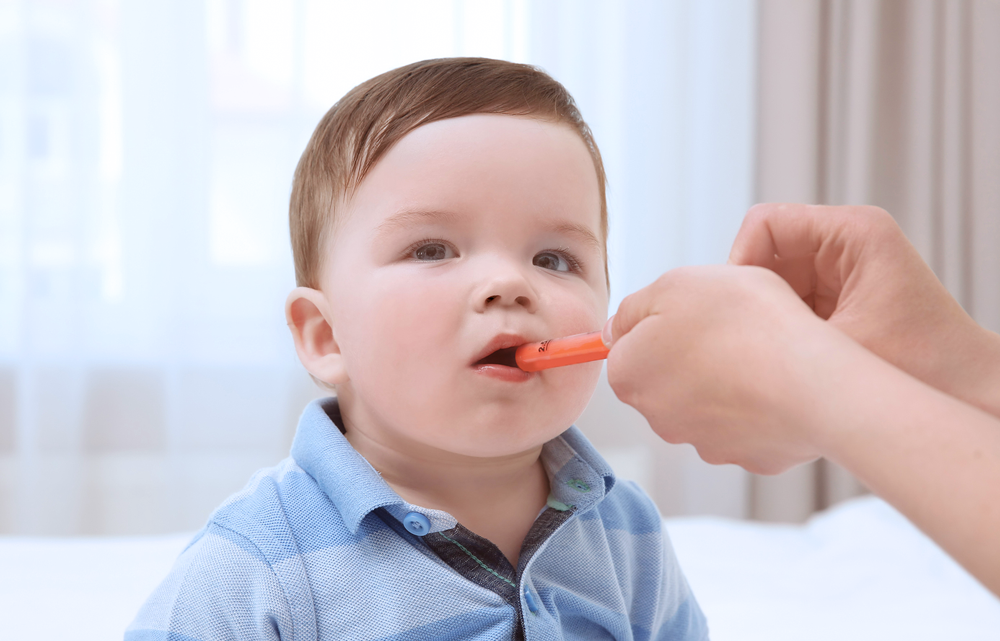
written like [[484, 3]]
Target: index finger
[[774, 231], [813, 247]]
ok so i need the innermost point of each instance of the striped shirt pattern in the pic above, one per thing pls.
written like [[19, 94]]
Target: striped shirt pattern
[[319, 547]]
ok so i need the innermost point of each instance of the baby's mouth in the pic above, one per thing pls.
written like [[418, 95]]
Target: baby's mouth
[[503, 356]]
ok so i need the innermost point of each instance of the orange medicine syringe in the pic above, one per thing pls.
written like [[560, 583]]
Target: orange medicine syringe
[[557, 352]]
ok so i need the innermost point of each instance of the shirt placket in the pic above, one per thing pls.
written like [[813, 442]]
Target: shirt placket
[[479, 560]]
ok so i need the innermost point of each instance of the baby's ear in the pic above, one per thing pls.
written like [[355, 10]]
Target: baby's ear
[[308, 317]]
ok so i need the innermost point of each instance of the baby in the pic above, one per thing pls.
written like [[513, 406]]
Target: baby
[[441, 212]]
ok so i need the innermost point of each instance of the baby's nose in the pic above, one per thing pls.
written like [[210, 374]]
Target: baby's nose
[[504, 284], [498, 299]]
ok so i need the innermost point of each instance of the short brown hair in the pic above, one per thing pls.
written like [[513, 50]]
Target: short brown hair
[[363, 125]]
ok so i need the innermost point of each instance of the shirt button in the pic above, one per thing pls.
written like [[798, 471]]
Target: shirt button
[[416, 523], [530, 600]]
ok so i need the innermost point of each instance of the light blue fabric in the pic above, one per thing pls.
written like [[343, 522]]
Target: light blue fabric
[[314, 548]]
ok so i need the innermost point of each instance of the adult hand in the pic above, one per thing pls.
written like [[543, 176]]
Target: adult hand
[[730, 360], [854, 267]]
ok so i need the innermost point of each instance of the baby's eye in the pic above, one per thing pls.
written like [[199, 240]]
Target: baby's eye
[[433, 251], [551, 260]]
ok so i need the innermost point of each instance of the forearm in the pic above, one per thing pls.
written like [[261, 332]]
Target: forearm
[[933, 457], [972, 370]]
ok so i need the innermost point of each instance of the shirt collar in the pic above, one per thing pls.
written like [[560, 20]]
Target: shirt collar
[[578, 476]]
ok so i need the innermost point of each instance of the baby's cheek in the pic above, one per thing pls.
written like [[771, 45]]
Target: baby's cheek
[[577, 310], [421, 319], [415, 332]]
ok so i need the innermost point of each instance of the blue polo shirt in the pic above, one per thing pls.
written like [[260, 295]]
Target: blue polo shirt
[[320, 547]]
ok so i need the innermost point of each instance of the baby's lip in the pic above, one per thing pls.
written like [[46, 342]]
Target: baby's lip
[[500, 341]]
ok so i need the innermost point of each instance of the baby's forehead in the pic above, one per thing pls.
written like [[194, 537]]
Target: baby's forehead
[[482, 136], [485, 156]]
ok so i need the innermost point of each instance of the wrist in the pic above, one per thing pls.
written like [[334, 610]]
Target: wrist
[[870, 414], [985, 383], [840, 374], [970, 368]]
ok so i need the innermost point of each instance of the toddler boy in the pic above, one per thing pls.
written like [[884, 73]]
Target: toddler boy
[[441, 212]]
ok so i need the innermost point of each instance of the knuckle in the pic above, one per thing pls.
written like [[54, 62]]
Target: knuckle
[[866, 214], [625, 305], [876, 223], [664, 279], [762, 210], [621, 385], [710, 456], [675, 278], [765, 465], [767, 276], [668, 432], [875, 212]]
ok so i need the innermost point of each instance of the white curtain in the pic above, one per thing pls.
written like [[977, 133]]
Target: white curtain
[[669, 88], [146, 154]]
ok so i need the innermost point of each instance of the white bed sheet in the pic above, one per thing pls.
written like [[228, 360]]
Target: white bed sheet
[[857, 572]]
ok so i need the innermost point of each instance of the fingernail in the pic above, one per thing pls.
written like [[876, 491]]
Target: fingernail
[[606, 332]]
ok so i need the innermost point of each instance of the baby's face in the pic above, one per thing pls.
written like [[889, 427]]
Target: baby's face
[[472, 234]]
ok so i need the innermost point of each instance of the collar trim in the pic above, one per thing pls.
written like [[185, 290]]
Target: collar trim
[[356, 488]]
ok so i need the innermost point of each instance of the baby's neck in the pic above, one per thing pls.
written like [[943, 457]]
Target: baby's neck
[[497, 498]]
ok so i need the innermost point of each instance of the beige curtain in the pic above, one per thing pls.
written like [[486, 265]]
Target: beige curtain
[[894, 103]]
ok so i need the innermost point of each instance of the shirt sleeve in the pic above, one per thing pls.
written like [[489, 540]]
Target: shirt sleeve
[[681, 616], [220, 589], [659, 600]]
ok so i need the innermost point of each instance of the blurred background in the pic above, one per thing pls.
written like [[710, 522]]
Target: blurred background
[[146, 155]]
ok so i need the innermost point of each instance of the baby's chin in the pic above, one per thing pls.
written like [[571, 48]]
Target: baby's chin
[[494, 450], [471, 427], [489, 441]]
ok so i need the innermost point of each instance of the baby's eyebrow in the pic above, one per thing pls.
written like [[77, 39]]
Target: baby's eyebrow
[[581, 231], [409, 217]]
